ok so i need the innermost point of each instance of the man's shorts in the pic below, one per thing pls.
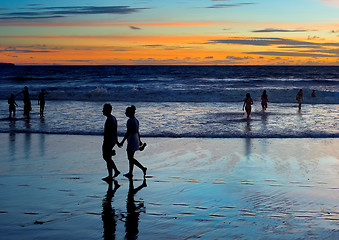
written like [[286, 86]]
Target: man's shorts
[[107, 151]]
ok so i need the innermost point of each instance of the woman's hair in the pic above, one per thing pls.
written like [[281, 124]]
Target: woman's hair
[[248, 95], [130, 111]]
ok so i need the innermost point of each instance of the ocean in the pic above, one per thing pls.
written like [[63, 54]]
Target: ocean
[[176, 101]]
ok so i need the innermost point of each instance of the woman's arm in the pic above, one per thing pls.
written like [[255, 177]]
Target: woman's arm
[[123, 140], [140, 143], [19, 93]]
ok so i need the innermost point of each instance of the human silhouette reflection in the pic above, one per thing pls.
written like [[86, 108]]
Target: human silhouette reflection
[[109, 217], [133, 210]]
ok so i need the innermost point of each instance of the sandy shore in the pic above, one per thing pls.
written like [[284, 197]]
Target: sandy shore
[[51, 188]]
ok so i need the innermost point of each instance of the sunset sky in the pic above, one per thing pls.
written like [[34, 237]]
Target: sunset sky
[[209, 32]]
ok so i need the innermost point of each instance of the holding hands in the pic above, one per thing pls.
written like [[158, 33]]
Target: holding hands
[[120, 144]]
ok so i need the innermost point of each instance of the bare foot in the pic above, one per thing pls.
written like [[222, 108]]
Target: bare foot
[[116, 173], [128, 175], [107, 179]]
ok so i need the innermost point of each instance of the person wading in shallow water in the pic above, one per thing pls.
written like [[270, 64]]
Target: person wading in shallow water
[[110, 139], [133, 141], [264, 100], [299, 97], [27, 101], [41, 101], [247, 105], [12, 104]]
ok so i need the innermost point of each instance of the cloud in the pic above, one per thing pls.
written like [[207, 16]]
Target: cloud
[[291, 54], [96, 23], [209, 57], [302, 46], [267, 30], [238, 58], [153, 45], [230, 5], [134, 28], [260, 41], [80, 60], [59, 12], [268, 42], [312, 49], [12, 49]]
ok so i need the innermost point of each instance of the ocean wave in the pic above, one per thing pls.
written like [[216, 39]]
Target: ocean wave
[[173, 83], [178, 94]]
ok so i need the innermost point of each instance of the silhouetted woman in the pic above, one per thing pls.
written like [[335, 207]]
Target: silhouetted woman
[[247, 105], [133, 141], [264, 100], [299, 97]]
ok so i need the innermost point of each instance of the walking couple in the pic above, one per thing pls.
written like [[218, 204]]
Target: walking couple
[[132, 136]]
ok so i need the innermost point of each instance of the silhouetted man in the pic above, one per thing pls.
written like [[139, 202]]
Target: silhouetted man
[[110, 139], [27, 101]]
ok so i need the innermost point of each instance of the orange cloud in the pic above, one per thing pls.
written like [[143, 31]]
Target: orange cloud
[[196, 49]]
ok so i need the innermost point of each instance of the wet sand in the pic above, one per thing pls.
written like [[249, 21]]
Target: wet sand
[[51, 188]]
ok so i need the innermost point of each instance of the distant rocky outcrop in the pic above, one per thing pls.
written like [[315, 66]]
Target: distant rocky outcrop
[[7, 65]]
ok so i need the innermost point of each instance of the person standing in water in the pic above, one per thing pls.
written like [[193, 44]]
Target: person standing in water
[[27, 101], [299, 97], [247, 105], [133, 141], [264, 100], [110, 139], [12, 104], [41, 101], [313, 93]]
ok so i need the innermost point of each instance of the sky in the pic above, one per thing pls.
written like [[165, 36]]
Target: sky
[[171, 32]]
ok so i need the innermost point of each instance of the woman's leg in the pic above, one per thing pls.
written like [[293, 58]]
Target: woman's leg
[[130, 156], [133, 161]]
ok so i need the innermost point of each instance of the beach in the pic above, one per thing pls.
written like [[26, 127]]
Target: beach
[[195, 188]]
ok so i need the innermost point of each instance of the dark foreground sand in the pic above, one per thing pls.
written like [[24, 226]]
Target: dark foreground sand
[[51, 188]]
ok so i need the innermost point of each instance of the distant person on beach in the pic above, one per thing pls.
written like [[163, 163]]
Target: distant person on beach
[[41, 101], [247, 105], [110, 139], [264, 100], [133, 141], [313, 94], [12, 104], [27, 101], [299, 97]]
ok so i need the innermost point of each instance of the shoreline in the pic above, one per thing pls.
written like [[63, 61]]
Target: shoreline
[[246, 188], [334, 136]]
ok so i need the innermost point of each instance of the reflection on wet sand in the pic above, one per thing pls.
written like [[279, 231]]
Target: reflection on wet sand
[[133, 210], [109, 217]]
